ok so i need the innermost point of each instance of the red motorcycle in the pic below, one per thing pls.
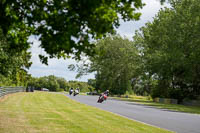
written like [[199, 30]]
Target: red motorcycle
[[102, 98]]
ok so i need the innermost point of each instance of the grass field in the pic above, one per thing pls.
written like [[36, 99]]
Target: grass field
[[173, 107], [43, 112]]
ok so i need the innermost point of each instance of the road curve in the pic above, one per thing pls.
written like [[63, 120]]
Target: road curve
[[174, 121]]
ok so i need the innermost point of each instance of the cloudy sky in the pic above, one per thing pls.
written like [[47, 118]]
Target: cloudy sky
[[59, 67]]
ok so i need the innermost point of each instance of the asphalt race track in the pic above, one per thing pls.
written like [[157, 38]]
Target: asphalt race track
[[174, 121]]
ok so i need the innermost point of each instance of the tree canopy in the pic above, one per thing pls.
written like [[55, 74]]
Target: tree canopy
[[63, 27]]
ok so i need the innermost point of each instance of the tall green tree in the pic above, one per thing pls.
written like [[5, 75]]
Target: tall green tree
[[170, 50], [115, 64], [92, 82], [13, 65]]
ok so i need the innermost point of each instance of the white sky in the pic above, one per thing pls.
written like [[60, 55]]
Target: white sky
[[59, 67]]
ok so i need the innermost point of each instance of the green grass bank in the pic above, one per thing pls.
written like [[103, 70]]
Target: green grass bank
[[43, 112]]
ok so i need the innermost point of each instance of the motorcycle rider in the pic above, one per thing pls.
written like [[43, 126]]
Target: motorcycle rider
[[76, 91], [104, 93], [71, 91]]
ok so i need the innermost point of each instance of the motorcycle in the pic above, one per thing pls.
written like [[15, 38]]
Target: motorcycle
[[102, 98], [76, 92], [70, 92]]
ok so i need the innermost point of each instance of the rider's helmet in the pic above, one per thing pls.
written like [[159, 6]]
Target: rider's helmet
[[107, 90]]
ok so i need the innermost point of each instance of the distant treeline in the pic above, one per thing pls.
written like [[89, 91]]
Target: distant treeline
[[54, 83]]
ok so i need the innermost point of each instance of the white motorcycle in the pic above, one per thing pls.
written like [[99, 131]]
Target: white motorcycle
[[76, 92]]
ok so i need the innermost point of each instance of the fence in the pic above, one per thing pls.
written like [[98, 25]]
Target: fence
[[8, 90], [166, 100]]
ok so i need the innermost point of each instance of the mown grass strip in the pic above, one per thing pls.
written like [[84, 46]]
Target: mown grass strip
[[44, 112]]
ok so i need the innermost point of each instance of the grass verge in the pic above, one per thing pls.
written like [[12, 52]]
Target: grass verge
[[43, 112], [172, 107]]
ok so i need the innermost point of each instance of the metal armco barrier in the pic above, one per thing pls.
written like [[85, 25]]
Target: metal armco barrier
[[8, 90]]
